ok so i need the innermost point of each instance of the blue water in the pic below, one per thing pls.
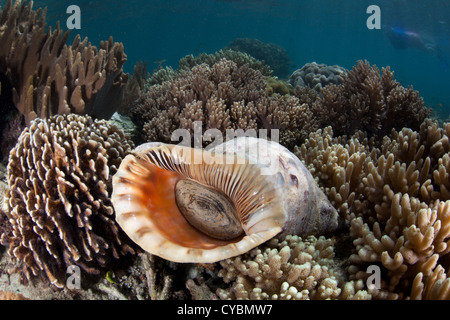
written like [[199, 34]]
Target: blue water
[[325, 31]]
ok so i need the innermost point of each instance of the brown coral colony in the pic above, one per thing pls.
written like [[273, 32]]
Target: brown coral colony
[[60, 211], [59, 172], [48, 76]]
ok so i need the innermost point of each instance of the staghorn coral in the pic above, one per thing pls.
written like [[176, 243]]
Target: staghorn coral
[[48, 77], [394, 196], [223, 96], [60, 211], [293, 268], [369, 101]]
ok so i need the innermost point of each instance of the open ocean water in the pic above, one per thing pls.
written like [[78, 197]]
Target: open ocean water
[[325, 31]]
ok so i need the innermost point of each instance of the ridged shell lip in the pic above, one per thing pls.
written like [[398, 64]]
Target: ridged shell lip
[[145, 205]]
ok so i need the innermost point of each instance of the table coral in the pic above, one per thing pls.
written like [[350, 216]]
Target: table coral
[[59, 177], [395, 197]]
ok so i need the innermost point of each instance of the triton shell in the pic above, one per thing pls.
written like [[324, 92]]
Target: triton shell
[[254, 182]]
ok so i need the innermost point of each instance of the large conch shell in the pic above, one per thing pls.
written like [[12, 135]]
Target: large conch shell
[[271, 190]]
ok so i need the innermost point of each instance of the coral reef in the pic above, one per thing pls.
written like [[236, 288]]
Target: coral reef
[[188, 62], [275, 85], [383, 166], [203, 212], [366, 100], [369, 101], [12, 124], [294, 268], [273, 55], [48, 77], [222, 96], [238, 57], [60, 212], [135, 86], [395, 198], [316, 76]]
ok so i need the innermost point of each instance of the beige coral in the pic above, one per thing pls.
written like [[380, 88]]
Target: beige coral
[[294, 268], [394, 196], [59, 176], [435, 287]]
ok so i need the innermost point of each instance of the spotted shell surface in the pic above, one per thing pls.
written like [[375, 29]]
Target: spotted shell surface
[[273, 193]]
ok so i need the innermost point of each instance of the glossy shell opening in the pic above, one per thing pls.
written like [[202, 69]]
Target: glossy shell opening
[[144, 200]]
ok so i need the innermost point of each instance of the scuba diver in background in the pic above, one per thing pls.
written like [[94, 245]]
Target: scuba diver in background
[[402, 38]]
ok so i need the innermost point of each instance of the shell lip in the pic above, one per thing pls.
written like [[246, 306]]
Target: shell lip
[[132, 217]]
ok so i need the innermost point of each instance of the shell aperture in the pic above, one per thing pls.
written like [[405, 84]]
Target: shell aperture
[[207, 210], [145, 200]]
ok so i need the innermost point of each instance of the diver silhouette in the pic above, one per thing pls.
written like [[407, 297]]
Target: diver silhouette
[[403, 38]]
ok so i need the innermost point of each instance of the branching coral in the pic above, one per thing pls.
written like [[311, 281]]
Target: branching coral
[[222, 96], [290, 269], [369, 101], [48, 77], [238, 57], [273, 55], [396, 201], [188, 62], [59, 176]]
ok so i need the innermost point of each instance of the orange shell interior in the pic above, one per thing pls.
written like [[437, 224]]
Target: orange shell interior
[[158, 194]]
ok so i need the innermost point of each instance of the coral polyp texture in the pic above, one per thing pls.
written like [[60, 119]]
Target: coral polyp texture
[[49, 77], [59, 176], [188, 62], [316, 76], [396, 200], [222, 96], [291, 269]]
